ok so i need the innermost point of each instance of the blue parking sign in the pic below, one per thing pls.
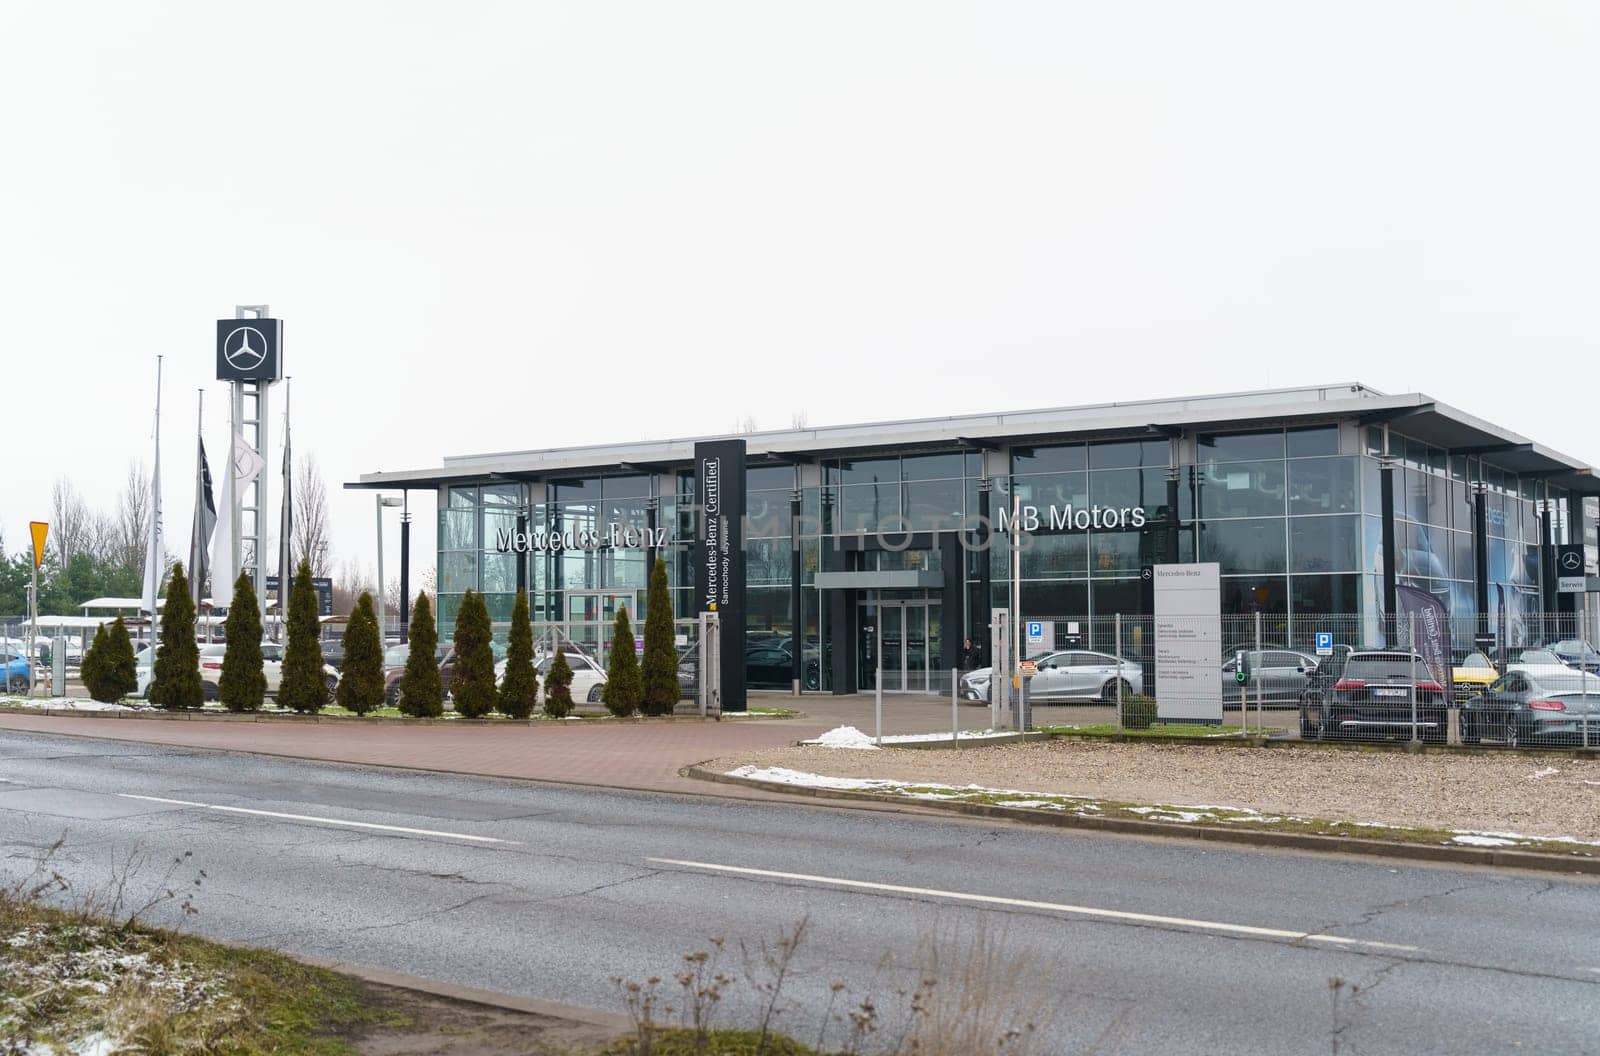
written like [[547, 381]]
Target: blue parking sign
[[1324, 643], [1035, 629]]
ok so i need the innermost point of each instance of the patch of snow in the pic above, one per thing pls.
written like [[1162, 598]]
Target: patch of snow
[[64, 704], [843, 737], [96, 1044], [1546, 772], [784, 776], [1483, 841]]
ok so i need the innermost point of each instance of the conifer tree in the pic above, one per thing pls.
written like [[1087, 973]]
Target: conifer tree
[[421, 694], [175, 682], [520, 688], [624, 689], [660, 668], [243, 684], [120, 662], [94, 670], [558, 688], [472, 685], [361, 681], [303, 686]]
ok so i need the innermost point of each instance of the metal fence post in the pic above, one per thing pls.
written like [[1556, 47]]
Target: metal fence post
[[955, 703], [877, 704], [1412, 644], [1117, 651], [1583, 672], [1261, 714]]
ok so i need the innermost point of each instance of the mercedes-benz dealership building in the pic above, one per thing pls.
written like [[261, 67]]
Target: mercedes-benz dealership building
[[1313, 501]]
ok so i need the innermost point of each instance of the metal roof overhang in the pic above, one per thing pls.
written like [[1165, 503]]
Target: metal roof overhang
[[1412, 414]]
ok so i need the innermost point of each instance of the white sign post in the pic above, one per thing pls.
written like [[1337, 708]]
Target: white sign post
[[1188, 625]]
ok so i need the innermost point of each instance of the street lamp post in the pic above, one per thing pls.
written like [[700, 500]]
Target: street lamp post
[[383, 500]]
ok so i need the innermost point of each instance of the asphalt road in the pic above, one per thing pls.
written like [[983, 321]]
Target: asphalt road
[[1137, 946]]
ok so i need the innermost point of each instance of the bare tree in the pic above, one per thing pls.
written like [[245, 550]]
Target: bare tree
[[70, 519], [353, 578], [129, 528], [799, 420], [309, 535], [747, 424]]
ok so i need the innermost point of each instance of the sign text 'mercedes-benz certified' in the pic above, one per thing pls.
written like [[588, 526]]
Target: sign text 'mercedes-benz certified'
[[613, 536]]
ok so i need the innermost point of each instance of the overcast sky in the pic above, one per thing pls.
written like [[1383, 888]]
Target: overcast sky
[[500, 226]]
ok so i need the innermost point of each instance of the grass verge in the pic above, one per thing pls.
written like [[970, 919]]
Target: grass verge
[[1158, 730], [72, 984]]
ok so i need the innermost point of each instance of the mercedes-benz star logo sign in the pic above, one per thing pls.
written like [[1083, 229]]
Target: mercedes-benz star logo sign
[[245, 348], [1571, 561]]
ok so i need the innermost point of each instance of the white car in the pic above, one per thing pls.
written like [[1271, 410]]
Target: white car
[[588, 677], [211, 671], [1075, 674], [1542, 664]]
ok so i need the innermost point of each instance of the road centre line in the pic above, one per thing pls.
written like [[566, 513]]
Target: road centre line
[[1054, 907], [319, 821]]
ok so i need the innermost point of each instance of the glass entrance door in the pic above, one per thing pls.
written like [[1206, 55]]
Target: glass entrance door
[[904, 638], [591, 615]]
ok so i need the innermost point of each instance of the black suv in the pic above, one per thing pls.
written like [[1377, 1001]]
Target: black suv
[[1373, 698]]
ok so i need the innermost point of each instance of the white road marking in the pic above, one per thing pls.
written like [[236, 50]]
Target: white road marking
[[317, 820], [1054, 907]]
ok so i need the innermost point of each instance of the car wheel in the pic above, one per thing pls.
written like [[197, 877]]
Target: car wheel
[[1108, 692], [1309, 731], [392, 697], [333, 686], [595, 692], [1512, 734], [16, 684], [1469, 729], [1440, 732], [210, 692]]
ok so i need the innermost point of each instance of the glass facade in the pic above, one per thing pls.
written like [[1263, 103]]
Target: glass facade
[[1291, 514]]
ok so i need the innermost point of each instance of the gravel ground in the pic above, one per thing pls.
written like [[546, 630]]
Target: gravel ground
[[1535, 795]]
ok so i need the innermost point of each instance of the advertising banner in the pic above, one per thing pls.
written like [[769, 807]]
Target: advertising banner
[[1432, 632], [719, 555], [1188, 646]]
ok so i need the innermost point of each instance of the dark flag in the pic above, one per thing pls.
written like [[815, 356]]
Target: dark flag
[[1500, 628], [205, 522], [1431, 639]]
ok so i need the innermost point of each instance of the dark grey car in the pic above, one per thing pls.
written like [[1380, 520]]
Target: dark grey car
[[1519, 709], [1282, 674]]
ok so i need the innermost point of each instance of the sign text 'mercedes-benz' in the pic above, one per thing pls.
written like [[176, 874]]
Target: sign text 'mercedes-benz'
[[613, 536]]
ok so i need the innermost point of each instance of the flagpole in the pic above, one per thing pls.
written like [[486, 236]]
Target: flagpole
[[285, 522], [153, 550], [196, 577]]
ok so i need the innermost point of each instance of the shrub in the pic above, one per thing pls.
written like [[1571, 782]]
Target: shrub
[[175, 681], [421, 693], [108, 670], [361, 683], [558, 688], [303, 686], [472, 685], [1138, 711], [660, 668], [520, 689], [624, 690], [243, 684]]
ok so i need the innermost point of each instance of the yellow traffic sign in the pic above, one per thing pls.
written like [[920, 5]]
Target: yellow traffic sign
[[39, 529]]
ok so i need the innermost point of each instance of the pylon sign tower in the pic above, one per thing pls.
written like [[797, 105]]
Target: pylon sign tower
[[250, 359]]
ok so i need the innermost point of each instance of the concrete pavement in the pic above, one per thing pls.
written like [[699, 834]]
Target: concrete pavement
[[1137, 946]]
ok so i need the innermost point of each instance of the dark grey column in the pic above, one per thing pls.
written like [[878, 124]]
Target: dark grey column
[[980, 619], [651, 506], [797, 635], [405, 578], [520, 557], [1386, 501], [1480, 556], [952, 628], [1174, 474], [1547, 570]]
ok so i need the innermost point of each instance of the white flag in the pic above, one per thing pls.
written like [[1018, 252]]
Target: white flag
[[155, 553], [247, 465]]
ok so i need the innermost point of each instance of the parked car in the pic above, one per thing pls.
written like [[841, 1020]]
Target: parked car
[[17, 673], [1537, 663], [394, 665], [772, 666], [1519, 709], [1279, 675], [1076, 674], [1474, 674], [271, 665], [1373, 698], [588, 677], [1575, 652]]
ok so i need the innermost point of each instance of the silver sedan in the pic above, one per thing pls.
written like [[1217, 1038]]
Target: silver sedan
[[1076, 674]]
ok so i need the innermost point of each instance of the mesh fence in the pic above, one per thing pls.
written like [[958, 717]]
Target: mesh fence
[[1345, 677]]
